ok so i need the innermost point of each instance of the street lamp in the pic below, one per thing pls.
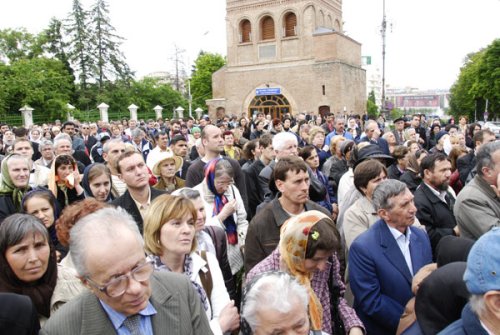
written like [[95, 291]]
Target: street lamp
[[190, 98]]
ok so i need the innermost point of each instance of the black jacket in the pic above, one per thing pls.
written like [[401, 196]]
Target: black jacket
[[465, 165], [411, 179], [127, 203], [6, 206], [436, 215]]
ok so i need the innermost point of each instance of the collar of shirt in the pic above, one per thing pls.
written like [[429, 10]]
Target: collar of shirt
[[117, 318], [143, 207], [399, 236], [441, 195]]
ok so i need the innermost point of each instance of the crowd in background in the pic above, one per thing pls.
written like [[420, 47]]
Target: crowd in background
[[368, 219]]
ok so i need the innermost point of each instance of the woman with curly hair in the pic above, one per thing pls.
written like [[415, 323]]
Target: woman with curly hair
[[68, 283]]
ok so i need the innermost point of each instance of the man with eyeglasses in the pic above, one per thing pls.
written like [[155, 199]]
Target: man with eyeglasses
[[125, 296]]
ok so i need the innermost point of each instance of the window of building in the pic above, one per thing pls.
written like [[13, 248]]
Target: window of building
[[290, 25], [245, 31], [267, 28]]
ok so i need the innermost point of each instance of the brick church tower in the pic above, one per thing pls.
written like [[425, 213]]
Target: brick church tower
[[288, 56]]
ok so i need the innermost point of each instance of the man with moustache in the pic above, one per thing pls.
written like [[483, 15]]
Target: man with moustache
[[291, 179], [384, 259], [125, 295], [433, 201]]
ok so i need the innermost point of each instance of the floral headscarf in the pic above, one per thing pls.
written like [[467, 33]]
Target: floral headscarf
[[293, 246], [219, 201]]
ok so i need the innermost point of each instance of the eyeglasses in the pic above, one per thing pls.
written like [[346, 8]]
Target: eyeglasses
[[117, 286]]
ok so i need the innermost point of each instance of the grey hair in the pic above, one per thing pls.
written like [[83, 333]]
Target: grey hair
[[280, 139], [477, 304], [484, 156], [385, 191], [276, 291], [46, 143], [222, 168], [100, 226], [136, 132], [187, 192], [105, 147], [16, 227], [369, 122], [60, 137]]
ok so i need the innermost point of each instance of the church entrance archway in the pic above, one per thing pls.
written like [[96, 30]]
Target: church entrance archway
[[274, 105]]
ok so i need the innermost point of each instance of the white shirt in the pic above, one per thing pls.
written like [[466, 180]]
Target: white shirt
[[403, 241]]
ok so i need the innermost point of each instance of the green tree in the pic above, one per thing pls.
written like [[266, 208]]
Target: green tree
[[16, 44], [42, 83], [105, 46], [79, 53], [201, 80], [479, 79], [371, 105]]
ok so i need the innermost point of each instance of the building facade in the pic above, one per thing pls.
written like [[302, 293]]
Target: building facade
[[288, 56]]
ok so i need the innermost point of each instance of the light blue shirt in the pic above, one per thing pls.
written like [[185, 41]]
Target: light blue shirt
[[333, 133], [403, 241], [117, 319]]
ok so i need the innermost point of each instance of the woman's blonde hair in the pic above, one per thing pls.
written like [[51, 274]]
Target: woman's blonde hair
[[164, 208], [336, 140]]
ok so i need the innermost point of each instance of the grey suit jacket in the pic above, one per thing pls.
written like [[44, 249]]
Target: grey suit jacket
[[178, 307]]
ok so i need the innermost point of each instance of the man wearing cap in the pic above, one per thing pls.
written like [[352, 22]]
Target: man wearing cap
[[477, 208], [482, 278], [399, 127]]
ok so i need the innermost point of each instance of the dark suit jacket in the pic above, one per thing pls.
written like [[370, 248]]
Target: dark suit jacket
[[178, 306], [380, 278], [127, 203], [91, 141], [18, 315], [434, 214], [399, 139], [465, 165]]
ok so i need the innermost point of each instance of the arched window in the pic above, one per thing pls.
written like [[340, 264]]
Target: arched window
[[290, 25], [245, 31], [267, 28]]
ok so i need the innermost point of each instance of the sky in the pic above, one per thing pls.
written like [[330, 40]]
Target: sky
[[426, 43]]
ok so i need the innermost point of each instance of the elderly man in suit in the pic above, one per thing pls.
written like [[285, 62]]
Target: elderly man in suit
[[125, 296], [383, 260]]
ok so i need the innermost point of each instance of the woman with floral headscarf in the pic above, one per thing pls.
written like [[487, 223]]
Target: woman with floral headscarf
[[225, 208], [307, 251]]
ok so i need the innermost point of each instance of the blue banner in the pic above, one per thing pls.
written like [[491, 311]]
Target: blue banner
[[268, 91]]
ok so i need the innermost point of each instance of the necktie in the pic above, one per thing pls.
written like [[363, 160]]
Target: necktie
[[133, 324]]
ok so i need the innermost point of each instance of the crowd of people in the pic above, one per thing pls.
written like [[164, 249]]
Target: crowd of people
[[304, 224]]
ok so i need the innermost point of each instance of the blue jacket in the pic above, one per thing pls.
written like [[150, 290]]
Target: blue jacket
[[469, 324], [380, 278]]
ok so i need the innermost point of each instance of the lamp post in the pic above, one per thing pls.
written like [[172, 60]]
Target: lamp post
[[133, 111], [383, 31], [180, 112], [190, 98]]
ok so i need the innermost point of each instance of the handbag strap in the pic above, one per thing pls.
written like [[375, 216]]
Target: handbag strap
[[206, 277]]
